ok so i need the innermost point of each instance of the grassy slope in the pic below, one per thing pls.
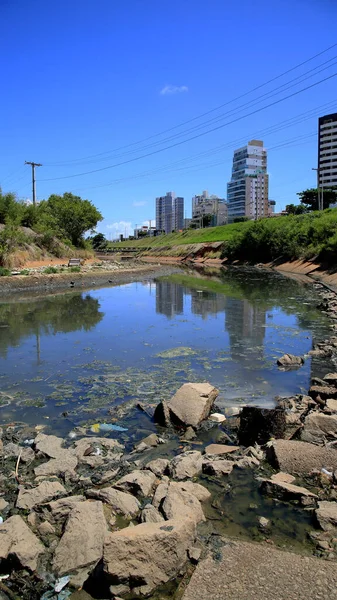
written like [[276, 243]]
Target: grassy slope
[[303, 236]]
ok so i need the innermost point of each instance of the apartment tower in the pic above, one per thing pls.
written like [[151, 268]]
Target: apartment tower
[[327, 151], [169, 213], [247, 191]]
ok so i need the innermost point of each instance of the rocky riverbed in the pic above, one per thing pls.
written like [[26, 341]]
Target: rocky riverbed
[[84, 517]]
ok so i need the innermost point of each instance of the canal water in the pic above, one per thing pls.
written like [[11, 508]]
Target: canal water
[[74, 361]]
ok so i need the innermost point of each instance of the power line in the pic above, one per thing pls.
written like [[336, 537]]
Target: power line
[[195, 136], [213, 109]]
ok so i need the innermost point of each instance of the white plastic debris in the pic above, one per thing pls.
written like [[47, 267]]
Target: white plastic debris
[[217, 417], [326, 472], [61, 583]]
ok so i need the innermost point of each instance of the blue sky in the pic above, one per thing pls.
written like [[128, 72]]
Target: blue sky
[[85, 84]]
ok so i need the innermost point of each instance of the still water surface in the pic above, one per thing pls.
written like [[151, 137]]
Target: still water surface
[[65, 359]]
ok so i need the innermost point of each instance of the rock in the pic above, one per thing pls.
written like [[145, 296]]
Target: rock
[[300, 457], [160, 493], [144, 557], [33, 520], [247, 462], [263, 523], [317, 426], [331, 378], [62, 466], [323, 392], [121, 502], [151, 441], [258, 425], [109, 476], [138, 483], [292, 425], [3, 504], [217, 467], [112, 447], [16, 539], [62, 507], [326, 515], [162, 414], [282, 477], [150, 515], [180, 504], [331, 405], [81, 545], [190, 405], [197, 490], [46, 528], [284, 491], [158, 466], [44, 492], [220, 449], [186, 465], [251, 571], [218, 417], [194, 554], [290, 361], [50, 445], [189, 434]]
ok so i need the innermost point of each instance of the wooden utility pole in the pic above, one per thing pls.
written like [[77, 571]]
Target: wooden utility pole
[[33, 165]]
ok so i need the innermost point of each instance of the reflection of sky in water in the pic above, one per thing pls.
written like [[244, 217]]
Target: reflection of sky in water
[[236, 338]]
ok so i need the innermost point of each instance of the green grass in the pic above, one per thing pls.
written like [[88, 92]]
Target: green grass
[[312, 235], [50, 270], [24, 272], [74, 269], [4, 272]]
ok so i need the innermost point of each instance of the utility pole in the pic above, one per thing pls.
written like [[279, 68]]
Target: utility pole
[[33, 165]]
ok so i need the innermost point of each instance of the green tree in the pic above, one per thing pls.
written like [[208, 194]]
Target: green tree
[[10, 209], [310, 201], [99, 241], [295, 209], [70, 216]]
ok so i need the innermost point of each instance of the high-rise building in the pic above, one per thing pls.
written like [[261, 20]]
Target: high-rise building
[[327, 151], [211, 206], [247, 191], [169, 213]]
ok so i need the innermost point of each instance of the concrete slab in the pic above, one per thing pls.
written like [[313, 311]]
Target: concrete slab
[[248, 571]]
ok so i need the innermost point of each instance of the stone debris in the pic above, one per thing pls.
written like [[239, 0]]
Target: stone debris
[[158, 466], [161, 492], [186, 465], [326, 515], [150, 514], [138, 559], [282, 478], [284, 490], [264, 523], [61, 508], [50, 445], [220, 449], [44, 492], [46, 528], [121, 502], [300, 458], [318, 426], [138, 483], [331, 405], [16, 539], [61, 466], [180, 505], [197, 490], [191, 405], [217, 467], [218, 417], [290, 361], [81, 545]]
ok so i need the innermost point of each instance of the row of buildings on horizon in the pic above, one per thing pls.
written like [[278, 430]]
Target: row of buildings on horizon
[[247, 190]]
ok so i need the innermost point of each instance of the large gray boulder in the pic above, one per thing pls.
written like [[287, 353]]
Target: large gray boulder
[[121, 502], [191, 404], [290, 361], [16, 539], [318, 426], [151, 515], [217, 466], [61, 508], [81, 546], [300, 458], [285, 491], [186, 465], [139, 559], [44, 492]]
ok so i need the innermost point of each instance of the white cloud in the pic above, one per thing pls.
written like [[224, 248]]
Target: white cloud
[[173, 89], [140, 203], [120, 227], [153, 223]]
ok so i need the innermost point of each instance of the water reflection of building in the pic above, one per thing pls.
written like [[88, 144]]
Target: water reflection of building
[[169, 299], [206, 303], [245, 324]]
